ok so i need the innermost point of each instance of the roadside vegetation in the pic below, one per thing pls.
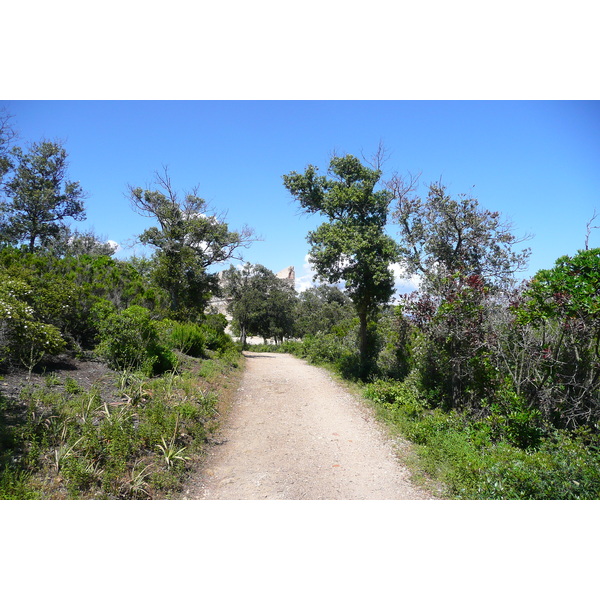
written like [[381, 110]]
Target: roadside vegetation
[[102, 394]]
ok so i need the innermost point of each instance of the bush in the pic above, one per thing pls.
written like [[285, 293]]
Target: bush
[[188, 338], [22, 336], [213, 328], [130, 341], [402, 395], [14, 485], [564, 468]]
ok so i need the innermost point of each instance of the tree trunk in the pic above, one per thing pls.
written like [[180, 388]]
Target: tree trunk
[[363, 344]]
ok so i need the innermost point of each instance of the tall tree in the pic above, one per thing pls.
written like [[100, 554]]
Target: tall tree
[[465, 255], [352, 246], [40, 197], [187, 242]]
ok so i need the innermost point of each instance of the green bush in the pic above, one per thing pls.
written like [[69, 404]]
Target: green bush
[[130, 341], [294, 347], [402, 395], [563, 468], [14, 485], [23, 337], [188, 338], [213, 329]]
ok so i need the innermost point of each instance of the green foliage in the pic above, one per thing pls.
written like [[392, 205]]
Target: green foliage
[[68, 441], [442, 236], [23, 338], [401, 395], [40, 197], [563, 468], [130, 340], [558, 319], [68, 290], [187, 242], [188, 338], [321, 308], [73, 243], [259, 302], [213, 329], [14, 485], [570, 290], [352, 246], [486, 459], [451, 346]]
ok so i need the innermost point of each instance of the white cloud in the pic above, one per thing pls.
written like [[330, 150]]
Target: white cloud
[[403, 282], [114, 245], [304, 280]]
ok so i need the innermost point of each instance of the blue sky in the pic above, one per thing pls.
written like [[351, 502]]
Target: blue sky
[[537, 162]]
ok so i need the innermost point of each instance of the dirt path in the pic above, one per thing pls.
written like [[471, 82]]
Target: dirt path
[[295, 434]]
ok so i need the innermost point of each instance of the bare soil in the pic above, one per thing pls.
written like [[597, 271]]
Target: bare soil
[[85, 373], [293, 433]]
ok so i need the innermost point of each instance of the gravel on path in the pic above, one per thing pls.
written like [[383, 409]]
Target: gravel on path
[[295, 434]]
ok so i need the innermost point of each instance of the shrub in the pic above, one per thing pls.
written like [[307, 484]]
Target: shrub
[[188, 338], [14, 485], [213, 328], [563, 468], [22, 336], [402, 395], [130, 341]]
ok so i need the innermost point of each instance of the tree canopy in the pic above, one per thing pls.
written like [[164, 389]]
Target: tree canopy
[[259, 302], [442, 237]]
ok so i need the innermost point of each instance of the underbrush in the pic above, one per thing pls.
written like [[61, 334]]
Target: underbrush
[[500, 456], [136, 439]]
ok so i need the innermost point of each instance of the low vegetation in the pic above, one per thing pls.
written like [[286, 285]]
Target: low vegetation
[[127, 436]]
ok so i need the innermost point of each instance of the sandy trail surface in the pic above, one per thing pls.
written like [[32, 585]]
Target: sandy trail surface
[[295, 434]]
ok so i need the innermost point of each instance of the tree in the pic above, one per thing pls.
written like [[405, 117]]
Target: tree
[[259, 302], [465, 255], [320, 308], [442, 237], [71, 242], [352, 246], [40, 197], [187, 242]]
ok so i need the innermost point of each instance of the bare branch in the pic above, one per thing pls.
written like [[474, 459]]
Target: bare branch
[[589, 228], [379, 157]]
